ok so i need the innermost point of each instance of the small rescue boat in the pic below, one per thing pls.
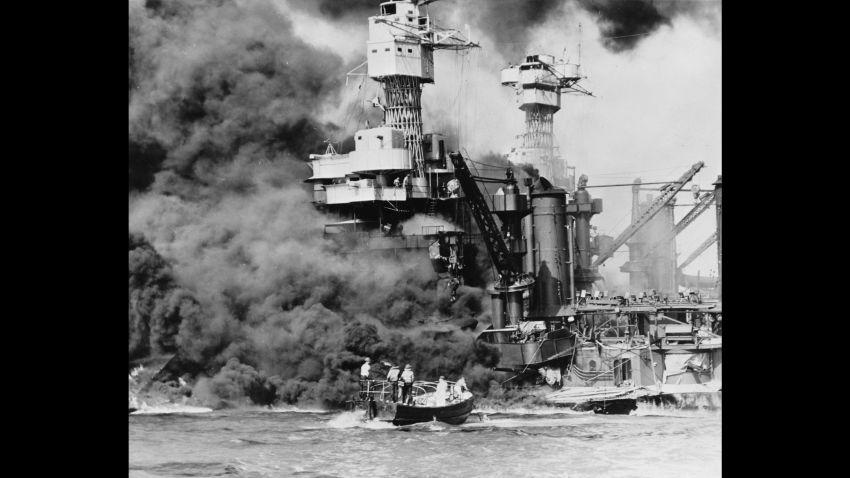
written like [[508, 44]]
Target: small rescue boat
[[377, 403]]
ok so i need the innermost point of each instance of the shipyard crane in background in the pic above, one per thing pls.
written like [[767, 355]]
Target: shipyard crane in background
[[701, 206], [699, 250], [667, 194]]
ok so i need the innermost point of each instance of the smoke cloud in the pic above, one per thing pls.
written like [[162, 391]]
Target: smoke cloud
[[221, 83], [624, 24], [157, 303]]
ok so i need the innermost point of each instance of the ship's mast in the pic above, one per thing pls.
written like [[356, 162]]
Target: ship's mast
[[539, 82], [400, 57]]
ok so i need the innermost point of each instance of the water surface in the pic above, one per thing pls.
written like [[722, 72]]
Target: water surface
[[538, 443]]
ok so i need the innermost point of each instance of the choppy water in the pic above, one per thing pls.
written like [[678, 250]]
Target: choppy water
[[533, 443]]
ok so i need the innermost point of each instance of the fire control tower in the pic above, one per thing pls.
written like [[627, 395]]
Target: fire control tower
[[539, 82], [400, 57]]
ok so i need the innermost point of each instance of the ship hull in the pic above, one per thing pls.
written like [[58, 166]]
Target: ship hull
[[619, 406]]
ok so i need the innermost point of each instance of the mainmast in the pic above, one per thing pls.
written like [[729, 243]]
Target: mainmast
[[539, 82], [401, 58]]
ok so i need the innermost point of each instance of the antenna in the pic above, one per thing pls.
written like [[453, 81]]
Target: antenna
[[330, 149], [579, 43]]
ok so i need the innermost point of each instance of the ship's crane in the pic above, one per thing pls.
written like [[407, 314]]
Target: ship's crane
[[568, 83], [704, 202], [483, 218], [699, 250], [668, 192], [428, 33]]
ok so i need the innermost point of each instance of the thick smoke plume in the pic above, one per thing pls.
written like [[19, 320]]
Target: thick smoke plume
[[624, 23], [220, 83], [157, 304], [284, 311]]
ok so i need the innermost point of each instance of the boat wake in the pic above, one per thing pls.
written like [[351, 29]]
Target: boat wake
[[645, 409], [529, 411], [524, 422], [294, 409], [355, 420]]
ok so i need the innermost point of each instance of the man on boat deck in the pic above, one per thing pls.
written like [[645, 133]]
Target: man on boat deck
[[441, 392], [392, 377], [460, 388], [364, 378], [407, 386]]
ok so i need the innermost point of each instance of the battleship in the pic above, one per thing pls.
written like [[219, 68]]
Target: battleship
[[554, 322]]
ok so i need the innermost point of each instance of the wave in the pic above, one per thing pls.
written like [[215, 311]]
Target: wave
[[169, 408], [294, 409], [275, 409], [652, 410]]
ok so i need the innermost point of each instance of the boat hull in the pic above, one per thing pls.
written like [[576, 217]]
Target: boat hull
[[454, 414]]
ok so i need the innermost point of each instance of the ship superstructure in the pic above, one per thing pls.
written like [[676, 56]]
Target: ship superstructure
[[550, 324], [396, 170]]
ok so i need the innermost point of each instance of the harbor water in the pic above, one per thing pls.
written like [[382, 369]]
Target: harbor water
[[492, 443]]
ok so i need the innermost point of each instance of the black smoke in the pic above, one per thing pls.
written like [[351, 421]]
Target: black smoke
[[157, 304], [511, 23], [624, 24], [349, 10], [222, 82]]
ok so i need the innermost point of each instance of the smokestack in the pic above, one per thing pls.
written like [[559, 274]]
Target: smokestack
[[551, 250], [582, 207]]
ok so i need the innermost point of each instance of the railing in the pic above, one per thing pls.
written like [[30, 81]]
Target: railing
[[421, 391], [591, 375]]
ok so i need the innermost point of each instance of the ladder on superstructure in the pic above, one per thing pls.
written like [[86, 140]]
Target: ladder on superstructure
[[432, 207]]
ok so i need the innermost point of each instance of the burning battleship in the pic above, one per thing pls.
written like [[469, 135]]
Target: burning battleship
[[552, 321]]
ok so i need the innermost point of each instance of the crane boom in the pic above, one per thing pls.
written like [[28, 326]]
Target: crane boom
[[668, 192], [564, 82], [705, 245], [686, 221], [484, 219]]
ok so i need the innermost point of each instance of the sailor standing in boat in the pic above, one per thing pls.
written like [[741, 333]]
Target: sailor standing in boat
[[392, 377], [441, 393], [460, 388], [365, 369], [407, 386]]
